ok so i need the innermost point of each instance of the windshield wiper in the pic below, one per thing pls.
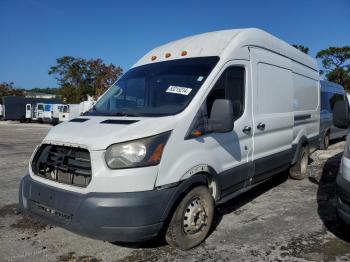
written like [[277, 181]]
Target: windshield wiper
[[123, 114]]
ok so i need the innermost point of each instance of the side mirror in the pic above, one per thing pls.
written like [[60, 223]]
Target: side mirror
[[221, 116], [341, 118]]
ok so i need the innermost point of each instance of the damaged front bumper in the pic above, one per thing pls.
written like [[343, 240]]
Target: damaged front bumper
[[126, 217]]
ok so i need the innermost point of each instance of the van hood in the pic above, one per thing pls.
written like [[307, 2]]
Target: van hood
[[97, 133]]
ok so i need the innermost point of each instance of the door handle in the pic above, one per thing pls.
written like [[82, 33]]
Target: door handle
[[247, 129], [261, 126]]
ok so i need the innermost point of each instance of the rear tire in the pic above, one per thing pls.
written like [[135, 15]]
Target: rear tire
[[299, 170], [192, 219], [325, 142]]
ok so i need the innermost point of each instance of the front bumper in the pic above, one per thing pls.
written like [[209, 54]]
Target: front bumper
[[343, 199], [126, 217]]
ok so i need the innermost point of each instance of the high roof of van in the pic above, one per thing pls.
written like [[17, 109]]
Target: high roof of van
[[222, 43]]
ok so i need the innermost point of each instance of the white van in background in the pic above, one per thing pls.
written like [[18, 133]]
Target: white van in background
[[34, 112], [192, 124], [40, 111], [68, 112], [51, 113], [29, 112]]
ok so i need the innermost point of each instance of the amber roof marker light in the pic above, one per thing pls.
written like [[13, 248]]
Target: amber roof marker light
[[183, 53], [167, 55], [154, 57]]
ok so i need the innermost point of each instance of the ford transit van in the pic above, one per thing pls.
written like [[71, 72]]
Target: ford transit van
[[192, 124]]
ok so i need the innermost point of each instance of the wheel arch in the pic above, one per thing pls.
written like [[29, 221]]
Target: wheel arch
[[303, 141], [199, 175]]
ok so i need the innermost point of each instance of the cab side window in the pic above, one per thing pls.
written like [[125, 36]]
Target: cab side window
[[229, 86]]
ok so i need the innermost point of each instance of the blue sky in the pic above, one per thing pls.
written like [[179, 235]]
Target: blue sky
[[35, 32]]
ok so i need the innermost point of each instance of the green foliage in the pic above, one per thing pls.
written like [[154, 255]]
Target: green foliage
[[302, 48], [47, 90], [79, 77], [336, 62], [8, 89]]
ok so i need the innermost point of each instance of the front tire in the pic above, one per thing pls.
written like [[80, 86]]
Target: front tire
[[299, 170], [192, 219]]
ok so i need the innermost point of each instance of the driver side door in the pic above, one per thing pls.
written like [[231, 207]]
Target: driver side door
[[232, 151]]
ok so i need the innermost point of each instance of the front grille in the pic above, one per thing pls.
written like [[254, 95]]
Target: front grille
[[67, 165]]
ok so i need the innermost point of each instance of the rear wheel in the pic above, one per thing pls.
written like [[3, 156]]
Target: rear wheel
[[192, 219], [325, 142], [299, 170]]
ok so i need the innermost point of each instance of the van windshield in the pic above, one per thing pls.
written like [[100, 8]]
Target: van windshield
[[157, 89]]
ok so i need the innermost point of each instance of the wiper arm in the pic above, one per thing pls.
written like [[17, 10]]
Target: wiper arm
[[123, 114]]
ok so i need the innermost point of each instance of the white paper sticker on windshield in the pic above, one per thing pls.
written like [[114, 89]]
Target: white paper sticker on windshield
[[179, 90]]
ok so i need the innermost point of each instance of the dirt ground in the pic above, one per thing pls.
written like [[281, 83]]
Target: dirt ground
[[280, 220]]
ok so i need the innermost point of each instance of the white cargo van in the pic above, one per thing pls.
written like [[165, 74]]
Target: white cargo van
[[51, 113], [68, 112], [34, 112], [192, 124], [29, 112]]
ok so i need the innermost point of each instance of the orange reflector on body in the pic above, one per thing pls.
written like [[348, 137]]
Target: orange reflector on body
[[155, 157], [196, 133]]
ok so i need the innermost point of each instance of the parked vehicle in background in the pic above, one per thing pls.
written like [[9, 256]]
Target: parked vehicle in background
[[15, 107], [0, 111], [51, 113], [341, 119], [29, 112], [35, 112], [68, 112], [191, 125], [330, 94]]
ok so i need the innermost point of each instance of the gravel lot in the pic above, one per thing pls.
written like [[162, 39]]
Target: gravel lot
[[281, 220]]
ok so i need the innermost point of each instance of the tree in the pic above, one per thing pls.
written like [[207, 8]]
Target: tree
[[45, 90], [79, 77], [104, 75], [302, 48], [8, 89], [336, 64]]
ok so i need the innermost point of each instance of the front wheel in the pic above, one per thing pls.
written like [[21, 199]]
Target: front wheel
[[299, 170], [192, 219]]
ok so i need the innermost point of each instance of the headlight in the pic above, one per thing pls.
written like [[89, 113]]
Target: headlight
[[347, 149], [142, 152]]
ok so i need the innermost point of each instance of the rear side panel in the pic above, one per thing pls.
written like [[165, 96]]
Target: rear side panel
[[306, 104]]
